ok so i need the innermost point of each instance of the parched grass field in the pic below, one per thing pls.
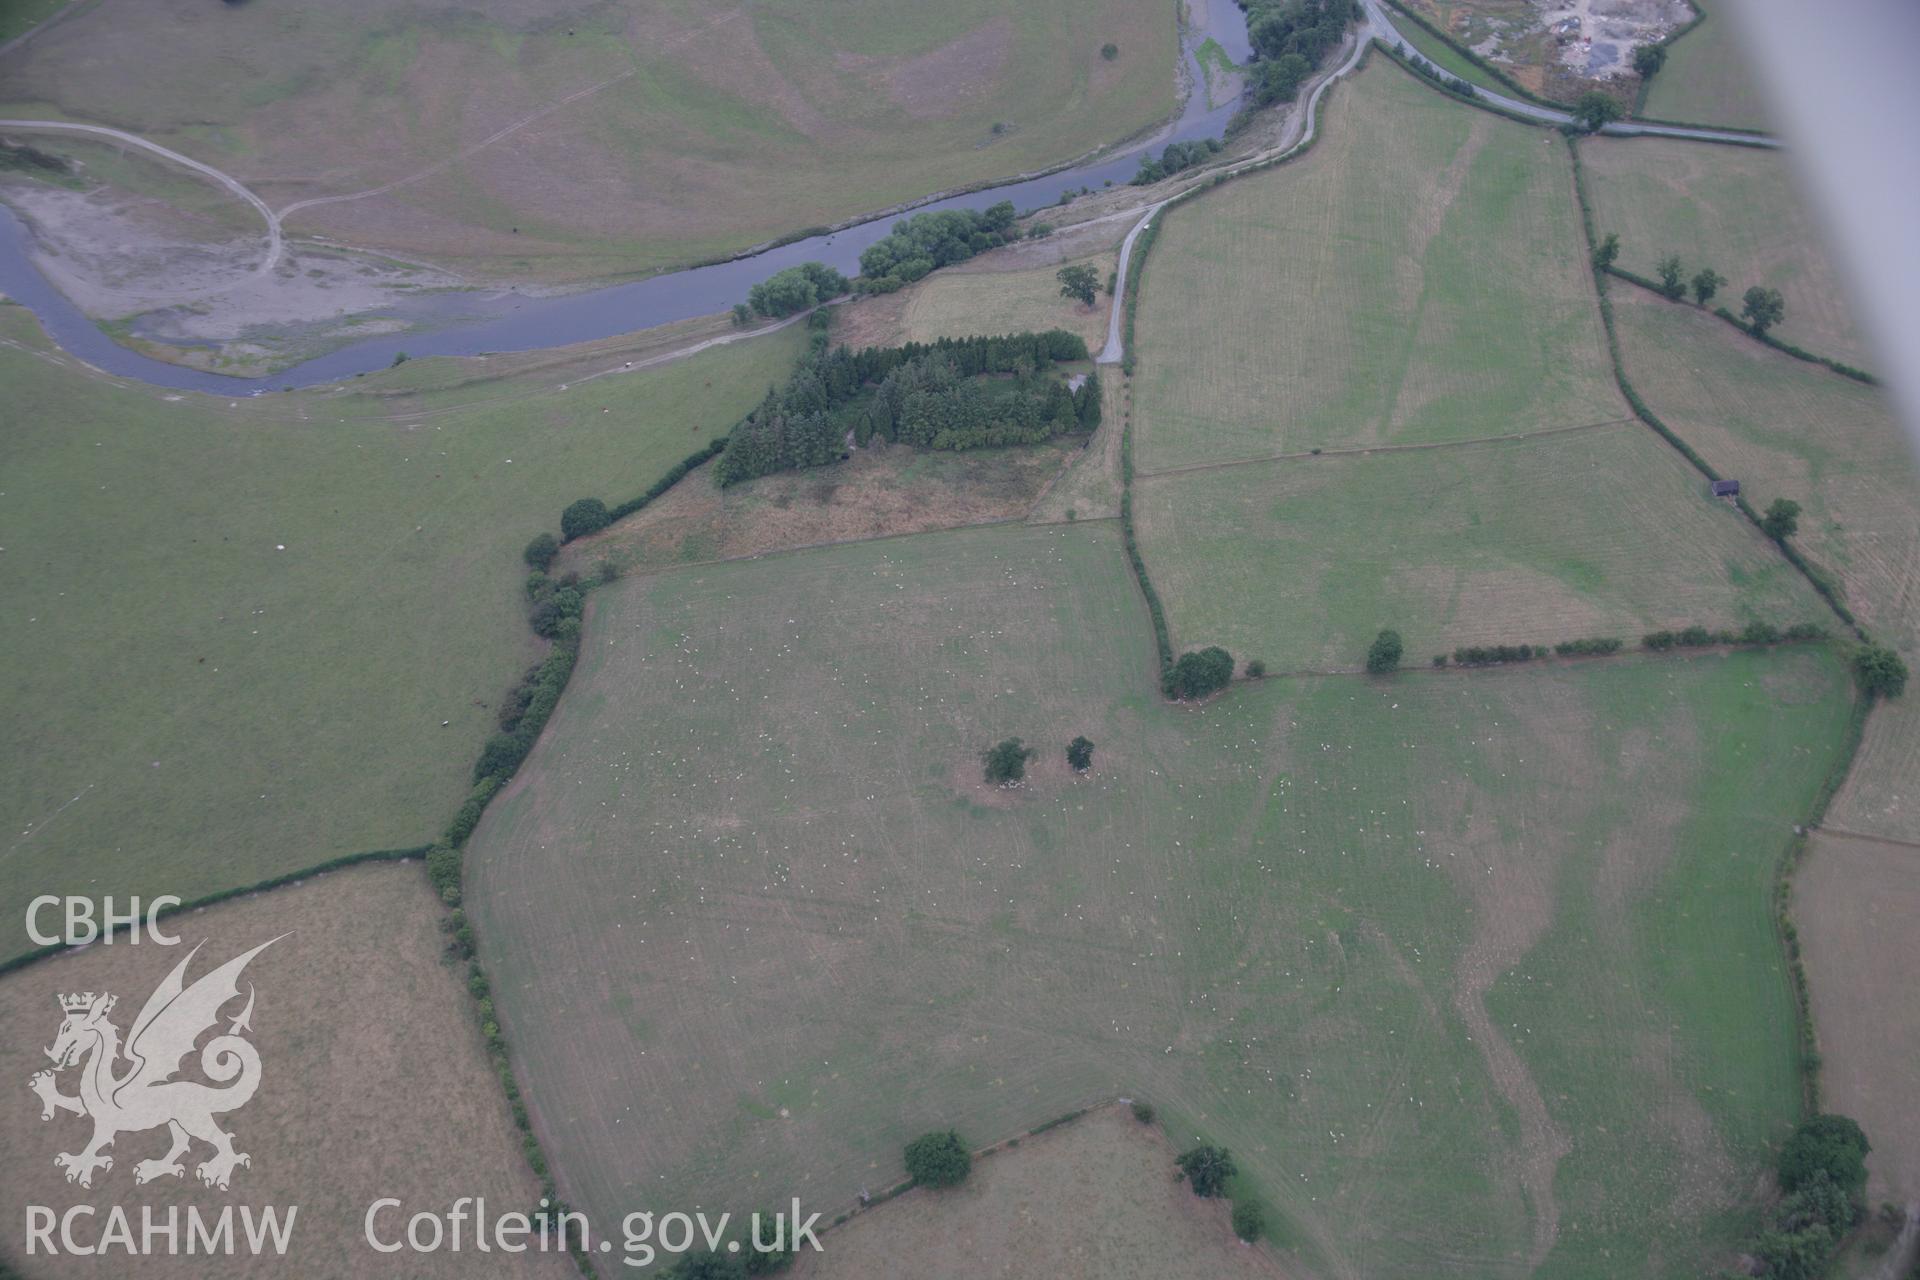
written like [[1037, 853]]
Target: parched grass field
[[1413, 278], [1608, 532], [1707, 79], [1787, 429], [1092, 1200], [374, 1083], [880, 492], [1430, 954], [667, 131], [1855, 902], [1735, 209], [246, 636]]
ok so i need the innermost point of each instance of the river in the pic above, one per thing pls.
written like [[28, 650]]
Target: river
[[475, 323]]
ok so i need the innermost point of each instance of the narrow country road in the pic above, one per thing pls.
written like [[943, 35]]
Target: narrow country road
[[204, 170], [1379, 26], [1382, 26], [1300, 131]]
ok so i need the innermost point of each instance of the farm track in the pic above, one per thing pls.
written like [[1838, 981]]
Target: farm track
[[275, 244]]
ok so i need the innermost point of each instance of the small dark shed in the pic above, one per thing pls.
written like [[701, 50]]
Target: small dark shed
[[1726, 488]]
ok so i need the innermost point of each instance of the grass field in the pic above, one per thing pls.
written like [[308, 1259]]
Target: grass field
[[20, 16], [1299, 562], [1855, 902], [959, 302], [1414, 278], [1442, 55], [1092, 1200], [688, 130], [374, 1083], [247, 636], [1735, 209], [1707, 79], [1349, 928], [1788, 429], [878, 493]]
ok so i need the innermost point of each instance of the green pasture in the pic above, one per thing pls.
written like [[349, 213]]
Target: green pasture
[[1707, 79], [1737, 210], [1415, 278], [249, 635], [1609, 532], [1319, 920], [1446, 57], [1787, 429], [17, 17]]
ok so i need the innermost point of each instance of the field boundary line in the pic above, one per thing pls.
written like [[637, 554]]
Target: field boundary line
[[1815, 577], [798, 547], [1843, 834], [1351, 451], [285, 879], [1767, 340], [1787, 933]]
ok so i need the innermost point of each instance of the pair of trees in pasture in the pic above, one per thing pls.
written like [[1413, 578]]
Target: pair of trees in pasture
[[1006, 760]]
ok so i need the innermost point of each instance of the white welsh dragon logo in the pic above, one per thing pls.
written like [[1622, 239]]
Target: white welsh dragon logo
[[145, 1095]]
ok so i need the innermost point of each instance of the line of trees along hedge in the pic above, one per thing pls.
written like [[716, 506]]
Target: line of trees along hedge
[[1754, 633], [1291, 38], [1603, 252], [926, 241], [1421, 67], [957, 393]]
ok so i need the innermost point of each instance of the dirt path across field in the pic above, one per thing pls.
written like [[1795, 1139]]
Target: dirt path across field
[[231, 183]]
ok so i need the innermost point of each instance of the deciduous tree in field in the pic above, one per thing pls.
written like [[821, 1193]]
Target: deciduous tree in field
[[1249, 1222], [1882, 673], [1080, 753], [1006, 761], [1595, 111], [1383, 655], [1828, 1145], [1079, 282], [1782, 520], [1648, 59], [1671, 282], [1207, 1170], [1762, 308], [1607, 251], [938, 1159], [1199, 673], [1706, 283], [588, 515], [541, 551]]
